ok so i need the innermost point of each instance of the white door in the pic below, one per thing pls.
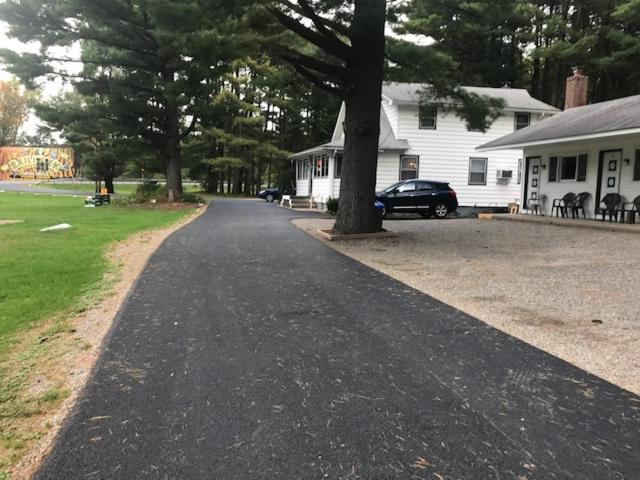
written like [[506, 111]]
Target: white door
[[533, 190], [610, 182]]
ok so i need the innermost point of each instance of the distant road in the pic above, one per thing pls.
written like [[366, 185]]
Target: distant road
[[14, 186]]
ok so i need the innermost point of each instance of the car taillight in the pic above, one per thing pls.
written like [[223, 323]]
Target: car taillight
[[453, 193]]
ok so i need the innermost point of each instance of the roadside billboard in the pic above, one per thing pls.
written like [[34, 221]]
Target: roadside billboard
[[36, 162]]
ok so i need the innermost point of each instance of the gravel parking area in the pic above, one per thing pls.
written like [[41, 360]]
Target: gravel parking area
[[571, 292]]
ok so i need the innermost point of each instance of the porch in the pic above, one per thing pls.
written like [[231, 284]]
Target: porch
[[592, 170], [563, 222]]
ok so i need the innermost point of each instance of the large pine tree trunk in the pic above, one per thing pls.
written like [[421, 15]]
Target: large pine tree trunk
[[173, 155], [363, 93]]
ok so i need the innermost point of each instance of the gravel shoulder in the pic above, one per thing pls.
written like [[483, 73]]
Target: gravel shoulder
[[570, 292]]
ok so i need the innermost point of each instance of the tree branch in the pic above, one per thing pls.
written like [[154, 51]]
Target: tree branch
[[294, 57], [336, 48], [323, 24], [317, 81]]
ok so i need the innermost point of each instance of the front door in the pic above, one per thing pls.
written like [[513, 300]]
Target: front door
[[609, 173], [533, 180]]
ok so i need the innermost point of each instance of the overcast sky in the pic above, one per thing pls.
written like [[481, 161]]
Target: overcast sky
[[49, 89]]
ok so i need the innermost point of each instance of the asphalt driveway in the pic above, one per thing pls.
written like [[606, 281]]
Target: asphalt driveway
[[249, 350]]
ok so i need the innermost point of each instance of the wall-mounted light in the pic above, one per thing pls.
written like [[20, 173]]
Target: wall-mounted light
[[544, 166], [627, 161]]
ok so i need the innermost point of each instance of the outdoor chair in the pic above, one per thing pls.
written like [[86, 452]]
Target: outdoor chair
[[578, 205], [630, 210], [609, 205], [535, 205], [562, 205]]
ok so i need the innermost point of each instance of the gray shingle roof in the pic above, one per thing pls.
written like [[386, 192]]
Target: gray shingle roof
[[388, 140], [605, 117], [515, 98]]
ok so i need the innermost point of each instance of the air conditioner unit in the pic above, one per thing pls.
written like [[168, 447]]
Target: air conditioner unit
[[504, 177]]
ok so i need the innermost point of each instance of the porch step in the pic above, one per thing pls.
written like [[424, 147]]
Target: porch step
[[301, 202]]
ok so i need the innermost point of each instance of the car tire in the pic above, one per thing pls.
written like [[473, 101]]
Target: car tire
[[385, 211], [270, 198], [441, 210]]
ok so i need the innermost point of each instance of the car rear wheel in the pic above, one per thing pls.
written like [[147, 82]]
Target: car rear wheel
[[441, 210], [269, 198]]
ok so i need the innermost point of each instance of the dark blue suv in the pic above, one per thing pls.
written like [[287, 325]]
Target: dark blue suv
[[427, 197]]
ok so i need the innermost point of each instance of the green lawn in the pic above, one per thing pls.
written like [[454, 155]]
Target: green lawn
[[42, 274]]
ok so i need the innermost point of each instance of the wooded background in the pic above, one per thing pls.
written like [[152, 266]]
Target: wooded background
[[220, 90]]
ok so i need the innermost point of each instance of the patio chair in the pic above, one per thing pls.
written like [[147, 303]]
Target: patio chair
[[578, 205], [609, 204], [562, 205], [629, 210], [535, 205]]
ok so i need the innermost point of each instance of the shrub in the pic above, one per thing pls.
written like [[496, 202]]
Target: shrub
[[148, 191], [187, 197], [332, 205]]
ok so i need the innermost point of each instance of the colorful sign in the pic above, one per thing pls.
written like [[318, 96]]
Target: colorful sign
[[36, 162]]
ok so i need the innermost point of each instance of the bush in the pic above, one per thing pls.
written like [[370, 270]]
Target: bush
[[332, 205], [187, 197], [148, 191]]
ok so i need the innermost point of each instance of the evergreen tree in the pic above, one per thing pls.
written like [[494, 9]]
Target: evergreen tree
[[152, 59]]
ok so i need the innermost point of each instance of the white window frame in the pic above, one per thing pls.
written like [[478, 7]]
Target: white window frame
[[561, 158], [402, 157], [486, 166], [435, 117]]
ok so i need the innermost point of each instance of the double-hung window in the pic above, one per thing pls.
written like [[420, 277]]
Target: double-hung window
[[523, 120], [321, 166], [302, 167], [478, 171], [409, 167], [428, 117]]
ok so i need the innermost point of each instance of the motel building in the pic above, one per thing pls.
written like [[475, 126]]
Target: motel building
[[591, 152]]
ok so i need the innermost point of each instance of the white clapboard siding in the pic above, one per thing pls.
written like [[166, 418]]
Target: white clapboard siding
[[626, 185], [388, 172], [445, 153]]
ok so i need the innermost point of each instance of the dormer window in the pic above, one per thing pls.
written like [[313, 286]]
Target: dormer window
[[523, 120], [428, 117]]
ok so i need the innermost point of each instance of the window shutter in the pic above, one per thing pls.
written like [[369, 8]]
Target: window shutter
[[636, 167], [553, 169], [583, 162]]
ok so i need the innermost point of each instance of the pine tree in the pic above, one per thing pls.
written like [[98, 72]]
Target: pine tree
[[152, 59]]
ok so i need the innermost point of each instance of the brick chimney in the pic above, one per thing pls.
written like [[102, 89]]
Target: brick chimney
[[577, 89]]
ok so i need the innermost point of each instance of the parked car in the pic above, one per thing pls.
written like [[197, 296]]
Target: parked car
[[426, 197], [269, 194]]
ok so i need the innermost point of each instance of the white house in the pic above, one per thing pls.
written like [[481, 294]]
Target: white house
[[419, 140], [593, 149]]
